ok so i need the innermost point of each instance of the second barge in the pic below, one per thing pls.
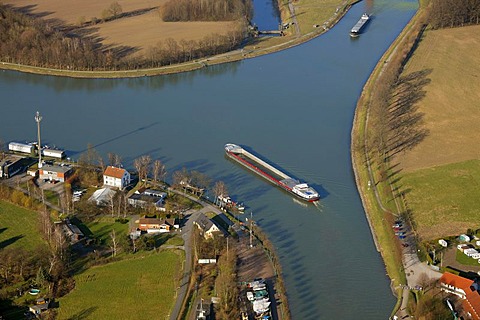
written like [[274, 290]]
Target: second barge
[[357, 28], [267, 171]]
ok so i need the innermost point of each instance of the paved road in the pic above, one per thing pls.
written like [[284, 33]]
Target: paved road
[[187, 229]]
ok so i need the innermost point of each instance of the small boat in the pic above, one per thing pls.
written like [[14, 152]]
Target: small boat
[[357, 28]]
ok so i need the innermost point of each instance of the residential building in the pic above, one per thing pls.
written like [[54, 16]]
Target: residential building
[[55, 173], [116, 177], [466, 289], [148, 198], [207, 227], [154, 225]]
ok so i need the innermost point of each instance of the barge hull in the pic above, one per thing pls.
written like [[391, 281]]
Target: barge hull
[[252, 162]]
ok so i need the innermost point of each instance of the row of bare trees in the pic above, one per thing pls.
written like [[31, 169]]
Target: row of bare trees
[[171, 51], [453, 13], [207, 10], [31, 41]]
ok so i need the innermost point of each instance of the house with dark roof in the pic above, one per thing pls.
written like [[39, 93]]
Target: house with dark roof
[[148, 198], [466, 289], [207, 226], [116, 177]]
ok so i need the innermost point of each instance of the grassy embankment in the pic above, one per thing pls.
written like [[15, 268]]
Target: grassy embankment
[[144, 284], [441, 176], [19, 227], [308, 13], [380, 215]]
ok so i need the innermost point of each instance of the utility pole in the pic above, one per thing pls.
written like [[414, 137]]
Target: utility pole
[[38, 118], [251, 230]]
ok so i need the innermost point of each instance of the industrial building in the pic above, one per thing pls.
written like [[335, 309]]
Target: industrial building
[[55, 173], [10, 166]]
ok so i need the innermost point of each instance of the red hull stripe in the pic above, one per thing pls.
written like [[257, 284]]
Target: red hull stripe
[[266, 175]]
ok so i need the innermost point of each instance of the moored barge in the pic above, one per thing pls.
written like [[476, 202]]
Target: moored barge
[[272, 174]]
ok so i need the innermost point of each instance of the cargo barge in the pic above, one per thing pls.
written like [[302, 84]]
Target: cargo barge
[[357, 28], [272, 174]]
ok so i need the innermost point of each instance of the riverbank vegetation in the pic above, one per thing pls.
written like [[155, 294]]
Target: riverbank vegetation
[[35, 42], [395, 135], [130, 39], [438, 179]]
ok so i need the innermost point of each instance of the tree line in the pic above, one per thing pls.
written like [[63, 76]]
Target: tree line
[[171, 51], [453, 13], [31, 41], [207, 10], [26, 40]]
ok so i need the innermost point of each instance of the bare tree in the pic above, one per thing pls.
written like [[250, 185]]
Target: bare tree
[[114, 160], [113, 236], [2, 150], [111, 202], [158, 171], [142, 165], [219, 189], [115, 9]]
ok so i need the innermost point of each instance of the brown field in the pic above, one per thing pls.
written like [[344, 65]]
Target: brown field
[[451, 106], [142, 32], [69, 11], [139, 31]]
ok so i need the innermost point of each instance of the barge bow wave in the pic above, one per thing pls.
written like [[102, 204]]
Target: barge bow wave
[[242, 156]]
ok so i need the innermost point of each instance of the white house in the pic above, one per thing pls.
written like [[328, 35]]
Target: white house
[[116, 177], [207, 227]]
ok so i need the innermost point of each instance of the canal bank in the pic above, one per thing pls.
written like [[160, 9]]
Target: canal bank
[[375, 191], [185, 120], [254, 48]]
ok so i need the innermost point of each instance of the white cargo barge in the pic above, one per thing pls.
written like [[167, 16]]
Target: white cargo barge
[[252, 162], [357, 28]]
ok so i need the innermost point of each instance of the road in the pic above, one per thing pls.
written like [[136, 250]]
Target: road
[[186, 231]]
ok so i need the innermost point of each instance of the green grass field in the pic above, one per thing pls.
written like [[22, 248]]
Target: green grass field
[[466, 260], [101, 228], [139, 287], [18, 227], [445, 200]]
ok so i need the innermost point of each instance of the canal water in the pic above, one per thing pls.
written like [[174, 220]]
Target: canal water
[[294, 108]]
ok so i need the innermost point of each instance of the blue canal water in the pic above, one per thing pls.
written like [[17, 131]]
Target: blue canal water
[[294, 108]]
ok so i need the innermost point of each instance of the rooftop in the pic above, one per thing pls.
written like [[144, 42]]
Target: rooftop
[[114, 172]]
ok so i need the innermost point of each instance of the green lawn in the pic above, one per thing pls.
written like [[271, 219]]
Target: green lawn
[[445, 200], [101, 228], [19, 227], [140, 287], [466, 260]]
